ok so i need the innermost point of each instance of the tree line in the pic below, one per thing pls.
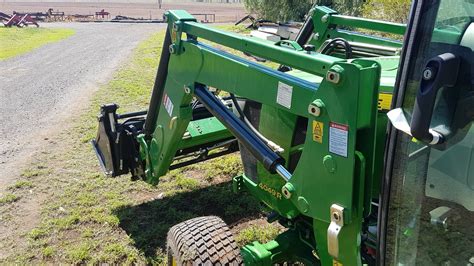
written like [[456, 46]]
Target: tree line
[[286, 10]]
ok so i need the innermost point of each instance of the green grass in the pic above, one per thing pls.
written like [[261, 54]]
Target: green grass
[[259, 233], [91, 219], [15, 41], [34, 171], [47, 252], [21, 184], [8, 198]]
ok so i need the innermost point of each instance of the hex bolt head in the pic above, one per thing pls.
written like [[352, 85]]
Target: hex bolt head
[[287, 190], [333, 77], [286, 193]]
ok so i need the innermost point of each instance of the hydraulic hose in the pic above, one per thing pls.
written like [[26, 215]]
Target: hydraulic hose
[[270, 143], [330, 46]]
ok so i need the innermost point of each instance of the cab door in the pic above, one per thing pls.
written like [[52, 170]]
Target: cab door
[[426, 212]]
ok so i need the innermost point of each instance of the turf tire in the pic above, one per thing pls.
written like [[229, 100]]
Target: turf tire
[[202, 241]]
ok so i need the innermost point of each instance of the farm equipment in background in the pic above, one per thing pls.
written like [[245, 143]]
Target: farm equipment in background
[[4, 17], [315, 140], [22, 19], [19, 20], [102, 14], [37, 16], [271, 31], [55, 15]]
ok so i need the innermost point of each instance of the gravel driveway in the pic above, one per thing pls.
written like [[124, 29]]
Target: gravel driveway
[[39, 90]]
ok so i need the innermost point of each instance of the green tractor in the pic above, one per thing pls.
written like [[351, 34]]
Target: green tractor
[[360, 145]]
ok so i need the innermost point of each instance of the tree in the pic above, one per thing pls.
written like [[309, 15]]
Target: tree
[[279, 10], [285, 10], [389, 10]]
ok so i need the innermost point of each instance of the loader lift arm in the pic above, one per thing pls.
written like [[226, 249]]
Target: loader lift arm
[[326, 125]]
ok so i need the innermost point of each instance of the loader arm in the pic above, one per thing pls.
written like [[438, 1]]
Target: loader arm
[[334, 163], [321, 120]]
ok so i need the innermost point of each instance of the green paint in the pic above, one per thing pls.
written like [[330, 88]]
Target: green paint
[[343, 169]]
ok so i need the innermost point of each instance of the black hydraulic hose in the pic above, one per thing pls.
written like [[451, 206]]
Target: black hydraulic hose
[[270, 143], [244, 118], [329, 47], [241, 131], [158, 88]]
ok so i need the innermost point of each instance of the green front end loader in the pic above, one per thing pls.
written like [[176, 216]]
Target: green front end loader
[[359, 144]]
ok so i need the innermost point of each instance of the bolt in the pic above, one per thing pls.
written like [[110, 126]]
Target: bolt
[[428, 73], [175, 27], [187, 90], [315, 254], [336, 216], [325, 18], [172, 49], [286, 193], [316, 36], [333, 77], [314, 110], [287, 190]]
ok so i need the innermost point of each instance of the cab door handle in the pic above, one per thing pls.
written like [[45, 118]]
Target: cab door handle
[[440, 72]]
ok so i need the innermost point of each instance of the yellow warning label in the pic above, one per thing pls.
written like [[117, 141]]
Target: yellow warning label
[[385, 101], [318, 128], [336, 263]]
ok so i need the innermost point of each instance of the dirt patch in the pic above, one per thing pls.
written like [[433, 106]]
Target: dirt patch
[[44, 92]]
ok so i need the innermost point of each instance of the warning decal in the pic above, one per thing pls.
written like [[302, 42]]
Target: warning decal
[[385, 101], [318, 128], [168, 104], [338, 139], [284, 94]]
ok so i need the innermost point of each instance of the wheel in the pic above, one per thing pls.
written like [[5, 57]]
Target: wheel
[[202, 241]]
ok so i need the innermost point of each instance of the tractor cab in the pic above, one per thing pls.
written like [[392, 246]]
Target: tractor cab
[[427, 207]]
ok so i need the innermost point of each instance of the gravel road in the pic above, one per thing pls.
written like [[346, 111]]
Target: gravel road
[[39, 90]]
